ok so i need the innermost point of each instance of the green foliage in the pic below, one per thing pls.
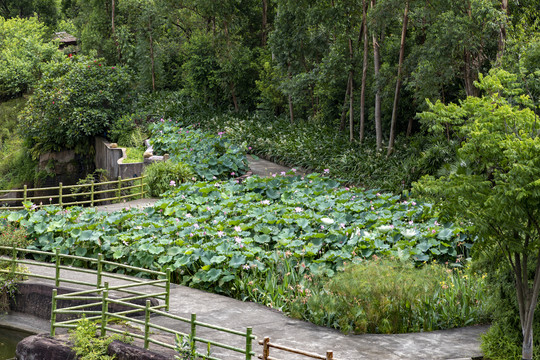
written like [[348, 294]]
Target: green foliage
[[494, 186], [13, 236], [162, 176], [16, 165], [186, 349], [211, 157], [319, 148], [133, 155], [211, 233], [75, 100], [391, 296], [23, 54], [88, 346]]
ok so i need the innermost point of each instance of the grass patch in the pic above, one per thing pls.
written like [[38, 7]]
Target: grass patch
[[391, 296], [133, 155]]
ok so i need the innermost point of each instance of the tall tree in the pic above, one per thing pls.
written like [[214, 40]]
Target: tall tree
[[398, 80], [376, 68], [495, 184]]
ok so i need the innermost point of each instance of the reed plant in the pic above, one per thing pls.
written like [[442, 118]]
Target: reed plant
[[392, 296]]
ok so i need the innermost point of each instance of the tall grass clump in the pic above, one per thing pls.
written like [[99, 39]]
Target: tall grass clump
[[165, 175], [391, 296]]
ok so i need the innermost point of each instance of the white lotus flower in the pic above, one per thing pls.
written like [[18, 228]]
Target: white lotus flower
[[327, 221], [408, 233]]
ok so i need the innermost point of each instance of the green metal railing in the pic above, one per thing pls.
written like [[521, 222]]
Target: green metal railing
[[98, 296], [72, 192], [105, 317]]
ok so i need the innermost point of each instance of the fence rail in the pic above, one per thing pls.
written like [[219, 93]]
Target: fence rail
[[98, 296], [117, 187], [267, 345]]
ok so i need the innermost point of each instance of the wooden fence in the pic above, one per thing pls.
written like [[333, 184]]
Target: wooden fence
[[267, 345], [91, 194]]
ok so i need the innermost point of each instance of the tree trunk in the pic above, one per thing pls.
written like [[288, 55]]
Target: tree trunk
[[152, 62], [364, 72], [291, 110], [113, 31], [527, 297], [502, 31], [351, 93], [376, 65], [344, 107], [398, 81], [264, 34]]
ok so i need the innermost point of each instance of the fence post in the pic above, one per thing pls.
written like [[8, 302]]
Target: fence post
[[60, 202], [99, 270], [25, 193], [146, 323], [168, 290], [53, 311], [57, 266], [13, 261], [142, 187], [249, 340], [329, 355], [119, 191], [266, 348], [104, 309], [193, 334], [92, 193]]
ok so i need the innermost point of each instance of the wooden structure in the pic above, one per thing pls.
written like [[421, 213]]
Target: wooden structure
[[267, 345]]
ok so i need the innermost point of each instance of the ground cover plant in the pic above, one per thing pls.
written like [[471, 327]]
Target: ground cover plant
[[320, 147], [211, 156], [253, 240]]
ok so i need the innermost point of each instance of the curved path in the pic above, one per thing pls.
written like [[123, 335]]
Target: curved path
[[223, 311], [463, 343]]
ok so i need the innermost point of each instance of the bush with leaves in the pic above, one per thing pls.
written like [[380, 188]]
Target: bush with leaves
[[494, 185], [76, 99], [165, 175], [23, 54], [88, 346]]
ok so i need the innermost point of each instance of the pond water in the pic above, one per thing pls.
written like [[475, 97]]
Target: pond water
[[8, 342]]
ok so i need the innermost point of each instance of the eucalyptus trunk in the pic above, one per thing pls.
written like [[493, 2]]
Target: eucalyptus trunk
[[351, 92], [364, 72], [264, 34], [398, 81], [502, 31], [152, 62], [377, 66]]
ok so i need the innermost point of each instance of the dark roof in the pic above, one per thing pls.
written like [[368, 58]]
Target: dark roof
[[64, 37]]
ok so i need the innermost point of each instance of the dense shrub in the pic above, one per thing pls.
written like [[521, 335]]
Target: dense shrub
[[76, 99], [211, 156], [23, 53], [392, 296], [164, 175]]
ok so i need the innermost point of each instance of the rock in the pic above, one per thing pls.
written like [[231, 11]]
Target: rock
[[44, 347], [123, 351]]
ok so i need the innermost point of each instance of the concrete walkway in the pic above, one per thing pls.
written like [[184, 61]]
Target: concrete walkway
[[463, 343]]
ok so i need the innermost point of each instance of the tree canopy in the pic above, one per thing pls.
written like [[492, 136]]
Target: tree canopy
[[495, 185], [77, 98]]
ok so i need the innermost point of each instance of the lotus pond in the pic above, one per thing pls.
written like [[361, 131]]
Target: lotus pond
[[210, 233]]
